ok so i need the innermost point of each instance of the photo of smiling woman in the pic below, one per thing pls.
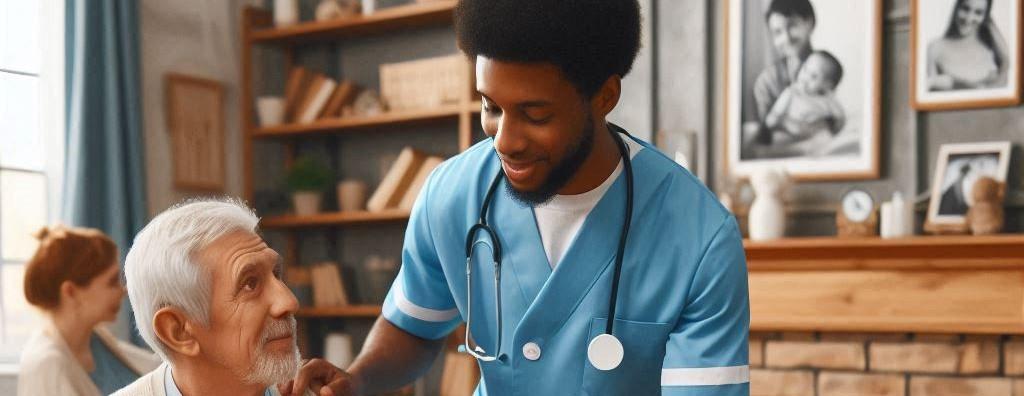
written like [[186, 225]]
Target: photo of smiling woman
[[966, 53]]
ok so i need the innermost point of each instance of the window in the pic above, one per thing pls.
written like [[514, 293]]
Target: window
[[29, 155]]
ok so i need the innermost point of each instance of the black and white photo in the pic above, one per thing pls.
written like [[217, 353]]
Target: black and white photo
[[802, 87], [966, 53], [957, 168]]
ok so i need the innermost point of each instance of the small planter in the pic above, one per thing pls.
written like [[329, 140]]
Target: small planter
[[307, 203]]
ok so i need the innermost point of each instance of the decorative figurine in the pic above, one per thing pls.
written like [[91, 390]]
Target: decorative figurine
[[985, 215]]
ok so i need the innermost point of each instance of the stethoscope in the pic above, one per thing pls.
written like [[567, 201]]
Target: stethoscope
[[605, 351]]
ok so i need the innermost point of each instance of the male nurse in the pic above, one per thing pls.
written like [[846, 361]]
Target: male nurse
[[521, 234]]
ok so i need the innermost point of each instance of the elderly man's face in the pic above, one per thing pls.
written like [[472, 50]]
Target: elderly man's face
[[252, 327]]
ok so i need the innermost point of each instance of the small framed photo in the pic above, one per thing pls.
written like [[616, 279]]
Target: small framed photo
[[802, 88], [195, 120], [965, 53], [957, 168]]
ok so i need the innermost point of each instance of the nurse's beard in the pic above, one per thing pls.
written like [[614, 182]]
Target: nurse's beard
[[561, 173]]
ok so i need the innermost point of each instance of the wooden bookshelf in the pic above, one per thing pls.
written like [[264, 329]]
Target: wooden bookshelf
[[386, 20], [257, 34], [349, 311], [336, 219], [342, 125]]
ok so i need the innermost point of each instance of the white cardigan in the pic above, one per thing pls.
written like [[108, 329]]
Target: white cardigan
[[49, 368]]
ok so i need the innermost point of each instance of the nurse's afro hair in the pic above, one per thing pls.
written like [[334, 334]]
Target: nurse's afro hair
[[588, 40]]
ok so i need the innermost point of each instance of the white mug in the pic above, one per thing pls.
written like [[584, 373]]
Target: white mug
[[286, 12], [270, 110], [351, 195], [338, 349]]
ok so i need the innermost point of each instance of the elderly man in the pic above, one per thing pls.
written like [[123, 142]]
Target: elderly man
[[208, 297]]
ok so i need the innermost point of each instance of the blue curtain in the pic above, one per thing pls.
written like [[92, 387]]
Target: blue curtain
[[104, 183]]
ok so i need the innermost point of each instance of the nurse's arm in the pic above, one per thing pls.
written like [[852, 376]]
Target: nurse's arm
[[390, 359], [706, 353]]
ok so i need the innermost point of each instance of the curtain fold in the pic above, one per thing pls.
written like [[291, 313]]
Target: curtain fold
[[104, 183]]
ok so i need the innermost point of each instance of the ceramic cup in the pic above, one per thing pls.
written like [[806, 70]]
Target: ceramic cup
[[351, 195], [270, 110]]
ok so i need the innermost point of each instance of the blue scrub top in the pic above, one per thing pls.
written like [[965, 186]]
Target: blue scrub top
[[683, 314]]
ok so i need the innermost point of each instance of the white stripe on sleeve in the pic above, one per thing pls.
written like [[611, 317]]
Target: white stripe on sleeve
[[425, 314], [705, 376]]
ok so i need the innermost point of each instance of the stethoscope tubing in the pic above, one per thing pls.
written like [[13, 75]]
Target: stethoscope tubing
[[482, 225]]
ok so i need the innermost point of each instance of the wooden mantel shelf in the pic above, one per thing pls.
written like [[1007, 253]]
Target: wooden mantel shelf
[[942, 284]]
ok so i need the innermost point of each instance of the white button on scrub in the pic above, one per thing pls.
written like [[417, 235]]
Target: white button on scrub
[[531, 351]]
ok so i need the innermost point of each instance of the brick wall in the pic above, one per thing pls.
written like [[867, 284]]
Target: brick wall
[[841, 364]]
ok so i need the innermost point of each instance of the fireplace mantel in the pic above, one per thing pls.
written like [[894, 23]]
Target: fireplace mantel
[[928, 284]]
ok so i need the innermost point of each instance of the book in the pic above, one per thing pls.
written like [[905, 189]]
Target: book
[[318, 99], [418, 181], [397, 180], [328, 287], [305, 98], [343, 95], [298, 79]]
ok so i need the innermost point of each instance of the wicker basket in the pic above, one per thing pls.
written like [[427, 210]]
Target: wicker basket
[[424, 83]]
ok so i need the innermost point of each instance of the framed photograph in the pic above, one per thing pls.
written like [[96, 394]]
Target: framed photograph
[[802, 87], [195, 120], [957, 168], [965, 53]]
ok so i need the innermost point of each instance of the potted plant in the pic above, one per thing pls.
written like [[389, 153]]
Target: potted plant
[[307, 179]]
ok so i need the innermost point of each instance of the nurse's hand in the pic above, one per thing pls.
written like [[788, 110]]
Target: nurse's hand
[[321, 378]]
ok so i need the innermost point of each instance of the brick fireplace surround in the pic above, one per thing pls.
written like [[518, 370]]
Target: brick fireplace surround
[[924, 316]]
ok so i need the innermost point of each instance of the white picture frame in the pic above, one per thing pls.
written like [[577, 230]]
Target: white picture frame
[[957, 166], [851, 31], [947, 73]]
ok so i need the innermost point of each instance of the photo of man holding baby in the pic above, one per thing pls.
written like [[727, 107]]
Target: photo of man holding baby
[[802, 83]]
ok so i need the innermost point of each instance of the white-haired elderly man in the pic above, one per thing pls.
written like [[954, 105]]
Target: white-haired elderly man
[[208, 297]]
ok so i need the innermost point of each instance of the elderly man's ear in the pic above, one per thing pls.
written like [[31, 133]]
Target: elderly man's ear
[[174, 329]]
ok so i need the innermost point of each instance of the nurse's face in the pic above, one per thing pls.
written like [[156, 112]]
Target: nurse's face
[[542, 127]]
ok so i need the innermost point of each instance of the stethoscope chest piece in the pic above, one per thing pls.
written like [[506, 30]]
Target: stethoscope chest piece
[[605, 352]]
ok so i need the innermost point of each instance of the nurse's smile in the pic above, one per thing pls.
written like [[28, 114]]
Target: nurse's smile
[[519, 172]]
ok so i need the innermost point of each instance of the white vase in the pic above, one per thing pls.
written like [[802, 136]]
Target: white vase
[[338, 349], [270, 110], [286, 12], [767, 217], [307, 203], [351, 195]]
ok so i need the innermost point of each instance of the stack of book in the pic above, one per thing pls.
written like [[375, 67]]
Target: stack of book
[[328, 285], [311, 96], [403, 181]]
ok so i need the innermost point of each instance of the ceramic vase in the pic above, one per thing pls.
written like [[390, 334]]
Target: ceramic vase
[[307, 203], [767, 217]]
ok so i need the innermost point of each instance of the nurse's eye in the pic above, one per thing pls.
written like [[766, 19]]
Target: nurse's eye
[[490, 109]]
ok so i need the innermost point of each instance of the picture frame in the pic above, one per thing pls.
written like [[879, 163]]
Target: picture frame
[[195, 121], [952, 71], [957, 167], [812, 146]]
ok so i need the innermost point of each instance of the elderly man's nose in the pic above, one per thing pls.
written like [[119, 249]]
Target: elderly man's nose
[[284, 302]]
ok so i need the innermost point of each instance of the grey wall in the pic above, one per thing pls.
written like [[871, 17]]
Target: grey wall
[[690, 81]]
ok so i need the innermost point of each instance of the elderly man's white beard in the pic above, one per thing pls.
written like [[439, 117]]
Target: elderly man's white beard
[[272, 368]]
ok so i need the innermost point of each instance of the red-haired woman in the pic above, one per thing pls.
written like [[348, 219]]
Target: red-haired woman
[[75, 279]]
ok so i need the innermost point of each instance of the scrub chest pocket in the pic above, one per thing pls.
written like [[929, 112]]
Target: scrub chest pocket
[[640, 371]]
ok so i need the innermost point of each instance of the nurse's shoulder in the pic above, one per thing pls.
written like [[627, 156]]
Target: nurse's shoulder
[[675, 194]]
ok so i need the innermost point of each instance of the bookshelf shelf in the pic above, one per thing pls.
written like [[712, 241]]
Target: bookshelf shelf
[[342, 125], [336, 218], [383, 21], [348, 311]]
